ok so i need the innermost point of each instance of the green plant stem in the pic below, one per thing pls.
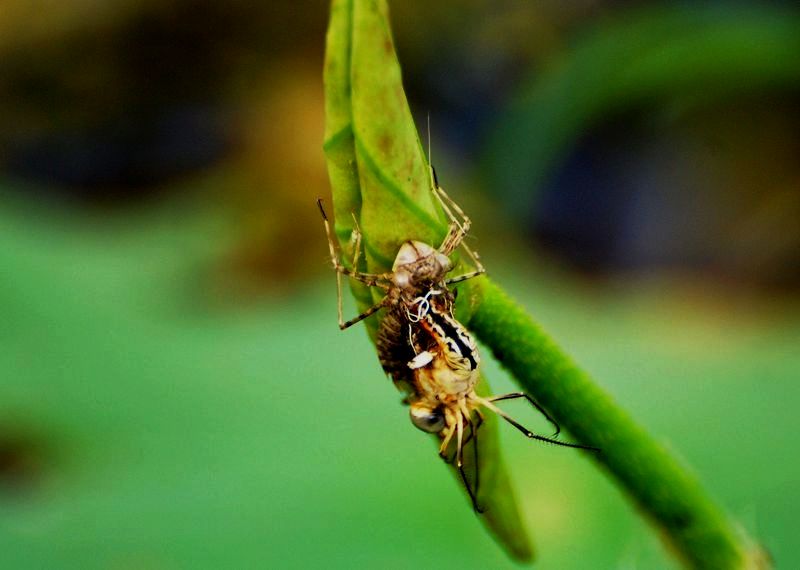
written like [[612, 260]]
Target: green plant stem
[[664, 489]]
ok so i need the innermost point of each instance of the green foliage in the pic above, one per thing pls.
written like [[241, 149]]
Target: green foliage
[[379, 175]]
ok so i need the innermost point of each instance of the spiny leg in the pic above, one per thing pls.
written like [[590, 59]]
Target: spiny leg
[[454, 238], [460, 462], [466, 223], [451, 420], [479, 424], [381, 280], [447, 202], [528, 433], [369, 279], [448, 205], [372, 310], [480, 270], [470, 275], [474, 430], [457, 232], [443, 453], [335, 260], [356, 255], [459, 439], [534, 403], [445, 443], [473, 435]]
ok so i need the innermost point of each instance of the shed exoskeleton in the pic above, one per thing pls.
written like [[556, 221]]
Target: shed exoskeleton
[[429, 354]]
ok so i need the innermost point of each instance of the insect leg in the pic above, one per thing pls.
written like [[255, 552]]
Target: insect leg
[[480, 270], [459, 439], [460, 464], [473, 436], [477, 424], [372, 310], [528, 433], [457, 232], [448, 205], [456, 239], [445, 443], [381, 280], [515, 395], [473, 432], [369, 279], [475, 259], [470, 275]]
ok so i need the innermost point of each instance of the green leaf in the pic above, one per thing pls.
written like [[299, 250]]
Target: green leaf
[[380, 177]]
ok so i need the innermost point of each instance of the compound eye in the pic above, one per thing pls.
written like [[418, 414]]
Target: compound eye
[[427, 419], [444, 262]]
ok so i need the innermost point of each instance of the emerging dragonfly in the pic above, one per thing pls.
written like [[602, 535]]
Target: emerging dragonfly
[[427, 352]]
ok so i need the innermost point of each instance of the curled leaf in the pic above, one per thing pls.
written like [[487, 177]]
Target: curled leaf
[[380, 178]]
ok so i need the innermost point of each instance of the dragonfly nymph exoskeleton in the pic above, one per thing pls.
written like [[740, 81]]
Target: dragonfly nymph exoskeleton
[[427, 352]]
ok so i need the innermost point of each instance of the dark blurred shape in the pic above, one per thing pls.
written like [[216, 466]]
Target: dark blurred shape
[[20, 461], [124, 157], [641, 148], [713, 188], [461, 65], [115, 109]]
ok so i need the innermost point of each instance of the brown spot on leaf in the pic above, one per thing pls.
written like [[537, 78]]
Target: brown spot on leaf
[[20, 461], [408, 170], [385, 144]]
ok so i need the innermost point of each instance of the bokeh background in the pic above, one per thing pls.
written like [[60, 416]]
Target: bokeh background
[[174, 391]]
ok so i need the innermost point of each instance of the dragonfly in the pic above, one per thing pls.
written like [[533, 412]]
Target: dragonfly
[[427, 352]]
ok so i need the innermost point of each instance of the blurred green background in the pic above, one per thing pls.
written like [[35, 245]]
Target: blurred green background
[[174, 392]]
